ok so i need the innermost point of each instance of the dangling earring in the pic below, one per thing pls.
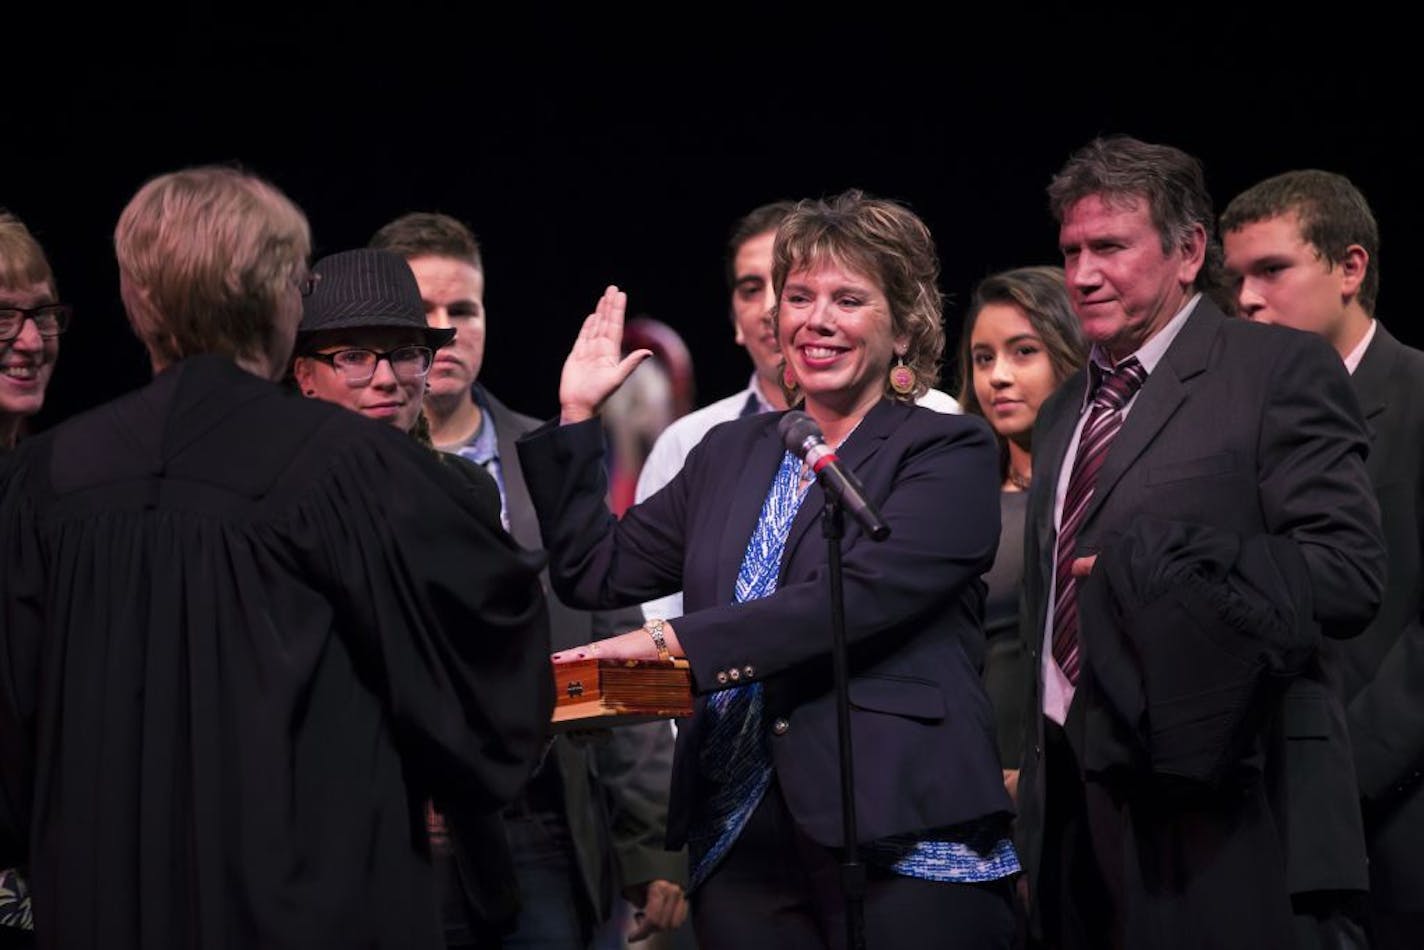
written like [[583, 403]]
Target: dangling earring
[[787, 379], [902, 377]]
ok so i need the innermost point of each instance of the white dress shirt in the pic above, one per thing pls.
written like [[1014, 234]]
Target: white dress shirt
[[1352, 362], [1057, 690]]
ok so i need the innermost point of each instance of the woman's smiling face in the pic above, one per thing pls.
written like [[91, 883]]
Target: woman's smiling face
[[836, 333]]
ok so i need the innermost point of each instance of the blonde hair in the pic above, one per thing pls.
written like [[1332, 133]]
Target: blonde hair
[[22, 260], [885, 241], [204, 256]]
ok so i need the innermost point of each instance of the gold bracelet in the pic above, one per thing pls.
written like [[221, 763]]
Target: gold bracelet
[[655, 630]]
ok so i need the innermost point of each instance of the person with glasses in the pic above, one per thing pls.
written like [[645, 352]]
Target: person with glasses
[[590, 824], [31, 320], [247, 635], [363, 342]]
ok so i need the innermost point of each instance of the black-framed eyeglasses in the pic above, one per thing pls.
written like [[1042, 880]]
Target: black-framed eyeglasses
[[356, 365], [308, 283], [51, 320]]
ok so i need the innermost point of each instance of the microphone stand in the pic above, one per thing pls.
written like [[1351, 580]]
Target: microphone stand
[[852, 871]]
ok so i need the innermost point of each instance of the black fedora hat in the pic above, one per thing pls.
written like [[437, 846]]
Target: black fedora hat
[[366, 288]]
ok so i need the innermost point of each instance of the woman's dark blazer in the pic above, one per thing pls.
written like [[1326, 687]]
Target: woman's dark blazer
[[922, 727]]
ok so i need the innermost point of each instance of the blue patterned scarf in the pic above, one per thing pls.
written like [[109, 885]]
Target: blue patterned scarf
[[735, 760]]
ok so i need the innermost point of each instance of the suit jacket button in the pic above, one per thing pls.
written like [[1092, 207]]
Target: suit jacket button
[[779, 726], [721, 676], [748, 672], [735, 674]]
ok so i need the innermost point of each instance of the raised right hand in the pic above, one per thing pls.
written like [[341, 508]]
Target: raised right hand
[[594, 369]]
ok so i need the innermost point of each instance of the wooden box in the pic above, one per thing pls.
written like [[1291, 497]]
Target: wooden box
[[595, 694]]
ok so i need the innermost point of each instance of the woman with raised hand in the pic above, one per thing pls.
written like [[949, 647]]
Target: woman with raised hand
[[756, 782]]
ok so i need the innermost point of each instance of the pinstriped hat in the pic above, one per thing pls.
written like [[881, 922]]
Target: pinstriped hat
[[366, 288]]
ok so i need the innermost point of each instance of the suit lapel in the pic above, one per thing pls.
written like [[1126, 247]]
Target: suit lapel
[[1165, 389], [756, 470], [1050, 446], [1371, 381], [508, 427], [1371, 377], [879, 422]]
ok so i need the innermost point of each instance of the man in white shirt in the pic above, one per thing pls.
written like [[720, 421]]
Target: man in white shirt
[[1185, 420], [749, 279]]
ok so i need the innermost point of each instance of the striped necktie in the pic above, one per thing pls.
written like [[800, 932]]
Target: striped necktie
[[1113, 391]]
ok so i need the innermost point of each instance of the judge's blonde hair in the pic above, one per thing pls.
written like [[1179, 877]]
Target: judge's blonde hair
[[205, 255]]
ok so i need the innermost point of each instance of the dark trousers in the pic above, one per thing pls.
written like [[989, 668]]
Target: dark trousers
[[551, 907], [779, 890], [1073, 898], [12, 938], [1147, 864], [1396, 930]]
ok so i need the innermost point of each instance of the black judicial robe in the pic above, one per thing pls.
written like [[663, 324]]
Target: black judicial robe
[[243, 637]]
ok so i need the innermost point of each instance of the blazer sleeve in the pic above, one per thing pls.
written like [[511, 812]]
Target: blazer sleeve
[[598, 561], [1314, 487], [941, 503]]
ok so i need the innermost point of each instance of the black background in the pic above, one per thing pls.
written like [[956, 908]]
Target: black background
[[593, 146]]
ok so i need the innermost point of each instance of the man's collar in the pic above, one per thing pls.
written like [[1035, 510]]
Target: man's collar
[[1148, 354]]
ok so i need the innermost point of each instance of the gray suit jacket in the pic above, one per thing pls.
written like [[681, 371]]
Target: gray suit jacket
[[1251, 429]]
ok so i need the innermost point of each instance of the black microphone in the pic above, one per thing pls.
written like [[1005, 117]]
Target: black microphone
[[803, 438]]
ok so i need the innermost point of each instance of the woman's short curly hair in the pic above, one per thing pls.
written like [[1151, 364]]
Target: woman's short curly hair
[[885, 241]]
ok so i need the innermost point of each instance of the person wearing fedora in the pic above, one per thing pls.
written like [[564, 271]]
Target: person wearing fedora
[[363, 343], [591, 824]]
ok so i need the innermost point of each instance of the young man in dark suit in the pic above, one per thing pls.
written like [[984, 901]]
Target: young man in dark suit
[[1188, 419], [1302, 250], [592, 822]]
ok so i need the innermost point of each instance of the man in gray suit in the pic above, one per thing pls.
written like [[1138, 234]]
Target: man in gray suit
[[592, 822], [1302, 250], [1187, 418]]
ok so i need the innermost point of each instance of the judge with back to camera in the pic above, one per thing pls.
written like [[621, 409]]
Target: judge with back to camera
[[247, 634]]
